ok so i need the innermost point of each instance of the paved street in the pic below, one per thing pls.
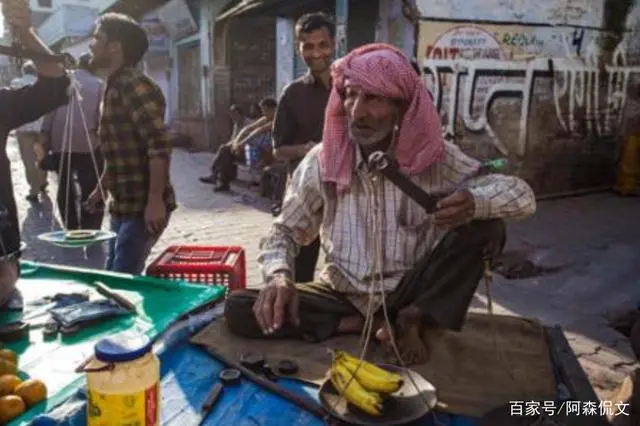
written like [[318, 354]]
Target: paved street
[[592, 241]]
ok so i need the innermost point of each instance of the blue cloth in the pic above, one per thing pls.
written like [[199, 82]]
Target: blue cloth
[[254, 148], [187, 374], [128, 252]]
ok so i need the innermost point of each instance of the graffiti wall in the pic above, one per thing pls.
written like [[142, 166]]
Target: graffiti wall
[[540, 96]]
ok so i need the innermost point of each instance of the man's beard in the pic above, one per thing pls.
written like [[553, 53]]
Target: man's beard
[[371, 140]]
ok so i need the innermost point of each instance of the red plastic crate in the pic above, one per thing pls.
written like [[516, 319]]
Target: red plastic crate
[[202, 264]]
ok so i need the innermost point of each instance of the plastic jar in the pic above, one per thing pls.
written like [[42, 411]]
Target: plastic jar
[[123, 382]]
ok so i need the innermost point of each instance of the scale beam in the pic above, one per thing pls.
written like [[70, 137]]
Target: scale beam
[[67, 60]]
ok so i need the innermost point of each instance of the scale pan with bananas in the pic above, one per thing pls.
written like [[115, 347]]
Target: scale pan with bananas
[[406, 405]]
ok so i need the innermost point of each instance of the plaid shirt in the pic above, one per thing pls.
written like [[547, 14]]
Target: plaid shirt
[[132, 130]]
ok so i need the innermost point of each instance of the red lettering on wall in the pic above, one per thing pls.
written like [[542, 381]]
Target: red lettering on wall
[[433, 52]]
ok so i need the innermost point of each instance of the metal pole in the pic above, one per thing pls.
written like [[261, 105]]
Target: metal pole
[[342, 18]]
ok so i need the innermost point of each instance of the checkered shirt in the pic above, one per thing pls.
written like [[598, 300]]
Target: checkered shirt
[[132, 130], [345, 223]]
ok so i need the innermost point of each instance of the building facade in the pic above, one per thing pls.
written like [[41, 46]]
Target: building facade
[[545, 84]]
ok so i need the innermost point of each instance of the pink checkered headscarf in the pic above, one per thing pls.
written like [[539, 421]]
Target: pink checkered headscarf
[[382, 70]]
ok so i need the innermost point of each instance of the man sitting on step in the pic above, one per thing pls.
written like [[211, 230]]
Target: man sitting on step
[[377, 241], [224, 165]]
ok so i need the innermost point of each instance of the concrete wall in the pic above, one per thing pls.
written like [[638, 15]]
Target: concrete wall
[[552, 99], [578, 12]]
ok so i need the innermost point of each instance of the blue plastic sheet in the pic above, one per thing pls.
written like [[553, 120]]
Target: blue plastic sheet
[[188, 374]]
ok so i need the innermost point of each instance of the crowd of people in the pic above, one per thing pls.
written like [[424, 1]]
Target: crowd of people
[[324, 127]]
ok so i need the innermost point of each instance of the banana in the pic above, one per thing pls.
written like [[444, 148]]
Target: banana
[[370, 376], [353, 392]]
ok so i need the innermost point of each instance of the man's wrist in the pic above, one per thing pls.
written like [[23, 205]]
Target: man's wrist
[[284, 275]]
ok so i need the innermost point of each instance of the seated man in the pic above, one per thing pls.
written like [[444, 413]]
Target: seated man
[[376, 238], [224, 167], [240, 121]]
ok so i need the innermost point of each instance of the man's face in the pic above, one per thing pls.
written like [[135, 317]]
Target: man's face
[[268, 112], [370, 118], [100, 50], [316, 48]]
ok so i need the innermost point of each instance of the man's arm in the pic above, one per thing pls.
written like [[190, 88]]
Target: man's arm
[[494, 195], [31, 41], [502, 196], [31, 102], [284, 132], [265, 127], [246, 130], [298, 224], [147, 111], [24, 105]]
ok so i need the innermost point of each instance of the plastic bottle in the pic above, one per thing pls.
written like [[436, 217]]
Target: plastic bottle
[[123, 382]]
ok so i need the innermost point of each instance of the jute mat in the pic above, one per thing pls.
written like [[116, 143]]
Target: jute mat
[[473, 371]]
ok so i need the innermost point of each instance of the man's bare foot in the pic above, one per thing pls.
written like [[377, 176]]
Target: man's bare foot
[[413, 349], [407, 333]]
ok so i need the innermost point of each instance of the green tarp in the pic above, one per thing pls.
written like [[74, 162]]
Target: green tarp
[[159, 303]]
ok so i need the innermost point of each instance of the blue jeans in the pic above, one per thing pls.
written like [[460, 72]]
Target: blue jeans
[[128, 252]]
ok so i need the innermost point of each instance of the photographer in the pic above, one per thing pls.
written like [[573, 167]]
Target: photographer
[[17, 107]]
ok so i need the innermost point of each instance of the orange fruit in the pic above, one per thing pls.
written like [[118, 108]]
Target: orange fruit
[[7, 367], [31, 391], [9, 383], [9, 355], [11, 406]]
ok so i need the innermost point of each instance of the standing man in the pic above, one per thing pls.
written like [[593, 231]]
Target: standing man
[[135, 144], [300, 116], [17, 107], [29, 140], [74, 149]]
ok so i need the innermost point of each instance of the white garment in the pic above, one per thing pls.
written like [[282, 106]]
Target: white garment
[[17, 83]]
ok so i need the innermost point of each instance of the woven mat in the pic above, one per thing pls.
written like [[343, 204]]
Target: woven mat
[[471, 376]]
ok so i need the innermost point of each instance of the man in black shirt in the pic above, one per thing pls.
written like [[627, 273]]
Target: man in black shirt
[[300, 116], [17, 107]]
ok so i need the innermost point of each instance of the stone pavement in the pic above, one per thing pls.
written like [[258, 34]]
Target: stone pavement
[[592, 240]]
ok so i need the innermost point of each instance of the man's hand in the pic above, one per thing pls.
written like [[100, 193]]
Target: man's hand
[[277, 298], [455, 210], [16, 12], [93, 201], [155, 215]]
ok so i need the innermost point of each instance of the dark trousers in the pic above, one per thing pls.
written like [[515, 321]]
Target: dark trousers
[[9, 227], [224, 165], [80, 166], [306, 262], [441, 285]]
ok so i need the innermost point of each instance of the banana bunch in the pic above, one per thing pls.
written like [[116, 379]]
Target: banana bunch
[[361, 383]]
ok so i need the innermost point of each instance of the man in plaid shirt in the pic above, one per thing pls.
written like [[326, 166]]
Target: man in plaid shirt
[[135, 143]]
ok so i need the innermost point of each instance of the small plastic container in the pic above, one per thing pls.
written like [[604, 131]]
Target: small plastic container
[[123, 382]]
